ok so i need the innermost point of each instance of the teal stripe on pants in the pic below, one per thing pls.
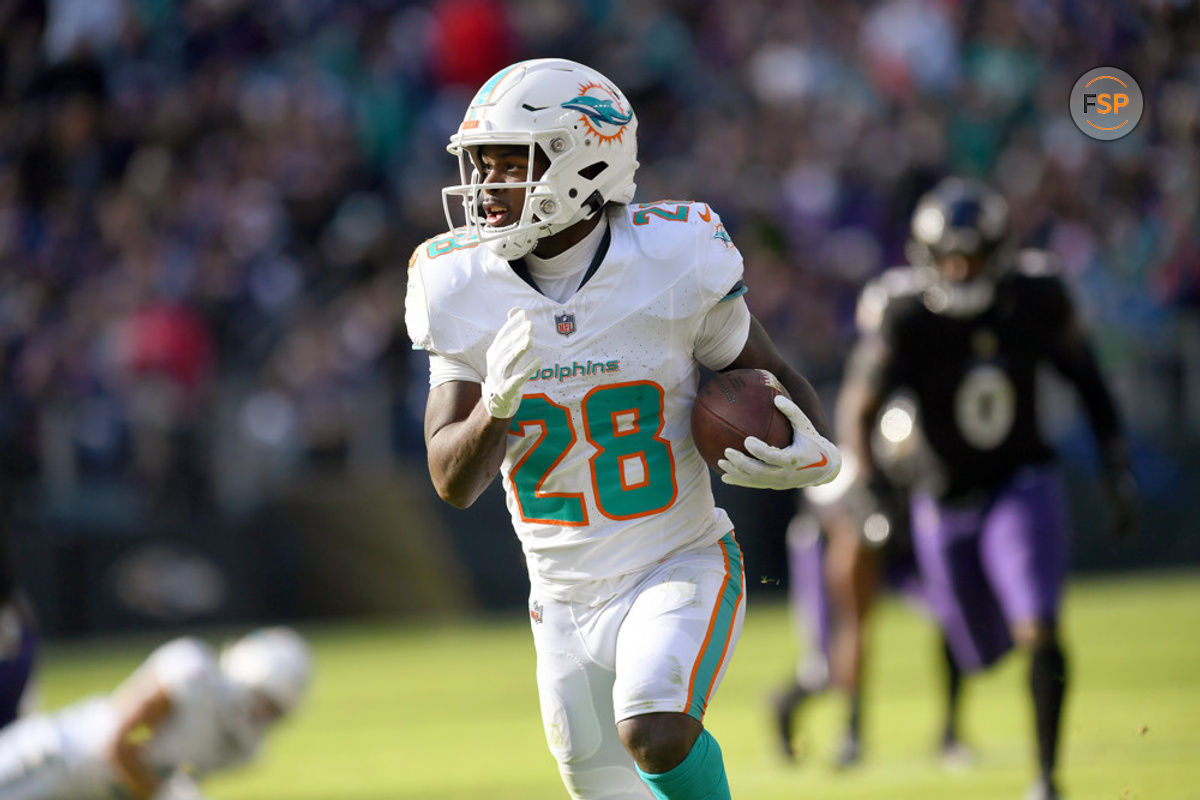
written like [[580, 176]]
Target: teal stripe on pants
[[704, 674]]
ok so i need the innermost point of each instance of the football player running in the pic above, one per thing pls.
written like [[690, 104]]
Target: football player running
[[965, 330], [850, 540], [183, 714], [566, 328]]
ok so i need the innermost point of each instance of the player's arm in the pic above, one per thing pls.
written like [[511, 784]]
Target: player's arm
[[137, 726], [1072, 356], [811, 459], [859, 400], [466, 423], [760, 352], [465, 443]]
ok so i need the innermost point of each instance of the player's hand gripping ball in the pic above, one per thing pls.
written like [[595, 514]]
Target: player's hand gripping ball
[[769, 454], [733, 405]]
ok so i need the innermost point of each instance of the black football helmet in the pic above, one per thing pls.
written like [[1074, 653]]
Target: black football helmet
[[959, 215]]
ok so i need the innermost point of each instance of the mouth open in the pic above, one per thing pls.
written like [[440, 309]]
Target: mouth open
[[496, 214]]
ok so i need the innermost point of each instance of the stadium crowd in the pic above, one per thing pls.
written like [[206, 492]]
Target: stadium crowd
[[206, 207]]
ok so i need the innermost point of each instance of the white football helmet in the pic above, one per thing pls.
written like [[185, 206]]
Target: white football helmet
[[582, 123], [275, 662]]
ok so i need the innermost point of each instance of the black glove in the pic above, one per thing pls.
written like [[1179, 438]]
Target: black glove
[[1121, 491]]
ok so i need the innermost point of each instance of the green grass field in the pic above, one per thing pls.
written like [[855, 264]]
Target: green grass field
[[449, 711]]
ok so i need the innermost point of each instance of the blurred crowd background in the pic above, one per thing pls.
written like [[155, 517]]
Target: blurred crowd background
[[208, 404]]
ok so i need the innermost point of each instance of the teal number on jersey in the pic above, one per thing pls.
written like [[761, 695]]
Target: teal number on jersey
[[530, 473], [447, 243], [633, 469], [680, 214]]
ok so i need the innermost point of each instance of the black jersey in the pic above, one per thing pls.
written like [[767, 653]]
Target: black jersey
[[974, 375]]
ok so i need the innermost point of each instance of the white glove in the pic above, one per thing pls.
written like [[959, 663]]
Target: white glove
[[509, 365], [810, 460]]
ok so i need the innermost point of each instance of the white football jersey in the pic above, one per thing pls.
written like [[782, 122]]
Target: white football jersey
[[66, 753], [208, 727], [601, 474]]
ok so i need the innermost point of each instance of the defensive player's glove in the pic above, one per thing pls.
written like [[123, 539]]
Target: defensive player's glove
[[509, 365], [810, 460], [1121, 490]]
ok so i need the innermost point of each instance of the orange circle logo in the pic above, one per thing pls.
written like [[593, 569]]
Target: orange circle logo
[[1106, 103]]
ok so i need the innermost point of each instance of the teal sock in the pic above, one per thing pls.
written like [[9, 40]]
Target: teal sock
[[700, 776]]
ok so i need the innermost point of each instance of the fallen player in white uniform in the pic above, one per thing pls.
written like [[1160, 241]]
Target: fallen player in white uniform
[[184, 713]]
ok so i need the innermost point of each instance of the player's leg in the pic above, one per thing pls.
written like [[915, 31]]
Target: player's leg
[[1024, 550], [809, 603], [575, 651], [954, 753], [946, 546], [672, 651], [853, 578], [902, 575]]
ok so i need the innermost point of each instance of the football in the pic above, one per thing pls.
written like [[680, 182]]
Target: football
[[733, 405]]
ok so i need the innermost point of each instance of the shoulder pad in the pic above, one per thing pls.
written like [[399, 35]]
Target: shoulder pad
[[662, 216], [440, 245], [439, 269], [688, 241], [881, 291]]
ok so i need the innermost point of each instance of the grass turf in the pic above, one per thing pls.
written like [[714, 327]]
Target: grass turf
[[448, 711]]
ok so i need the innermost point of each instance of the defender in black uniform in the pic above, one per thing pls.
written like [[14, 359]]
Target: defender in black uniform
[[849, 541], [965, 331]]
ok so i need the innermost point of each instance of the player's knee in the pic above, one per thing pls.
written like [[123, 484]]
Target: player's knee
[[659, 742], [605, 782], [1033, 635]]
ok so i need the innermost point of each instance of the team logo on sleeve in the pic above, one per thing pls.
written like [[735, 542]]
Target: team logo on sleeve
[[564, 323], [535, 611], [723, 235]]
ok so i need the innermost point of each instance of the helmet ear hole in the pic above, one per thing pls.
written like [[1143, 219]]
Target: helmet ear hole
[[594, 203], [593, 171]]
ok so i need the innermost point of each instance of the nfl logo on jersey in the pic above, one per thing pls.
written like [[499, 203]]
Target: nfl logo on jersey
[[564, 323]]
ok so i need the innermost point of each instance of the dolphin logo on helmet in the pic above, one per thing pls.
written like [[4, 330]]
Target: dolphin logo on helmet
[[603, 112]]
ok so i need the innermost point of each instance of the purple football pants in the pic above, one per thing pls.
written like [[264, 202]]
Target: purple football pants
[[807, 595], [988, 566]]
